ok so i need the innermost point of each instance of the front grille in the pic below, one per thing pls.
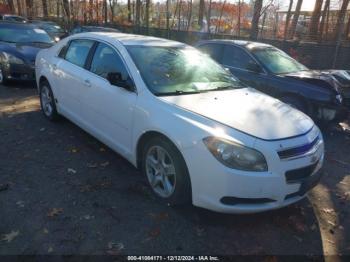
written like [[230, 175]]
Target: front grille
[[299, 174], [244, 201], [298, 151]]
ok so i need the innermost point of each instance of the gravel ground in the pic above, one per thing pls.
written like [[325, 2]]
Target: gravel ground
[[63, 192]]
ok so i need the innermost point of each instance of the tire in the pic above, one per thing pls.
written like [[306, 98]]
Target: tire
[[3, 79], [47, 102], [166, 171], [295, 102]]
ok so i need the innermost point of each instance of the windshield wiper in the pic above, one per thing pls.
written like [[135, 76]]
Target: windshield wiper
[[177, 92], [229, 87], [35, 42]]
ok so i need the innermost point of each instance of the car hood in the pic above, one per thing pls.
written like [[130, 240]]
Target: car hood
[[27, 51], [328, 79], [248, 111]]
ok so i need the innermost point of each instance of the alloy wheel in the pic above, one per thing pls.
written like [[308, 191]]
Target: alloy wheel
[[46, 101], [160, 170]]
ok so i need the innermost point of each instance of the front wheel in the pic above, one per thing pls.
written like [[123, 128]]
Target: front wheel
[[166, 171], [3, 79], [47, 102]]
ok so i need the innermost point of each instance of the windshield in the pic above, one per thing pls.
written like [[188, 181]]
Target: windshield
[[52, 28], [24, 35], [277, 61], [15, 18], [180, 70]]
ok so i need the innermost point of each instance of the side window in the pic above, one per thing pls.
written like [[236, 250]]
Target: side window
[[235, 57], [78, 51], [213, 50], [63, 51], [106, 60]]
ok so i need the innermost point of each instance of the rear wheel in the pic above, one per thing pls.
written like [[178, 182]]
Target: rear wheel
[[166, 171], [47, 102]]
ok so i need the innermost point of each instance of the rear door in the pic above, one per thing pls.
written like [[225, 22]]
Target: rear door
[[70, 72]]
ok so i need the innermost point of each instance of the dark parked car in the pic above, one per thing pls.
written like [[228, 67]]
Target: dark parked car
[[84, 29], [270, 70], [13, 18], [19, 45], [54, 30]]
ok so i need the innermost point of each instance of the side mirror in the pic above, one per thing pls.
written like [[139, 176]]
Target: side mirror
[[116, 79], [254, 67]]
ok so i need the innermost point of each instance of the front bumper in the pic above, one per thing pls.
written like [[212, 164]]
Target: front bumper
[[23, 72], [222, 189]]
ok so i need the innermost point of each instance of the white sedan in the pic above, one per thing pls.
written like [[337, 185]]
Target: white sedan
[[195, 131]]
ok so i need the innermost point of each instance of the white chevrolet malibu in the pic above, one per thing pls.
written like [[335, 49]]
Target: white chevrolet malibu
[[194, 130]]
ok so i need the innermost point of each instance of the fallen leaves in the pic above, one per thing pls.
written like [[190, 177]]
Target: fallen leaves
[[104, 164], [159, 217], [10, 236], [71, 171], [115, 249], [73, 150], [92, 165], [20, 203], [98, 186], [4, 187], [55, 212]]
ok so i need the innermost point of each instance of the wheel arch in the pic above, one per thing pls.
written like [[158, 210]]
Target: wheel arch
[[151, 134]]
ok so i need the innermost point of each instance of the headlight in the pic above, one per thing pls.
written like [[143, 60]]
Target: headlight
[[11, 59], [236, 156], [57, 39], [339, 98]]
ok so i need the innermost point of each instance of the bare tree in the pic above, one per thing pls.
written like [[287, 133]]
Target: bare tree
[[189, 16], [66, 9], [91, 10], [111, 5], [255, 21], [220, 17], [209, 16], [239, 18], [179, 16], [323, 20], [201, 13], [129, 11], [289, 14], [147, 14], [315, 19], [347, 31], [45, 12], [29, 5], [11, 6], [340, 22], [105, 11], [167, 16], [19, 7], [138, 12], [295, 18]]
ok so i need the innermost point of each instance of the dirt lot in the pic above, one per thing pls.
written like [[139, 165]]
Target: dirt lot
[[63, 192]]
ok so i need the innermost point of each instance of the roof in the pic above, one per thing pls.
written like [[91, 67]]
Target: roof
[[14, 24], [242, 43], [130, 39]]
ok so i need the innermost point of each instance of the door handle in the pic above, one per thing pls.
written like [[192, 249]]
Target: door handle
[[87, 83], [54, 66]]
